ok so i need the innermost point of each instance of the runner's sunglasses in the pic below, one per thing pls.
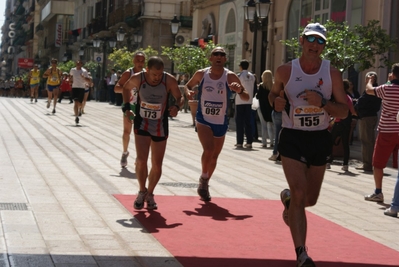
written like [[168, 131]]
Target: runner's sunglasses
[[217, 54], [312, 38]]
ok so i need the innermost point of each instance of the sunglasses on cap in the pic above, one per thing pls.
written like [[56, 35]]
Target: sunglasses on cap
[[216, 54], [312, 38]]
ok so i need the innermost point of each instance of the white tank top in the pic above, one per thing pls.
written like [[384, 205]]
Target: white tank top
[[298, 113], [133, 91], [213, 98]]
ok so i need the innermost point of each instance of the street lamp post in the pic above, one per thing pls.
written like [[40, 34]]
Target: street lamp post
[[256, 14], [174, 27], [97, 42]]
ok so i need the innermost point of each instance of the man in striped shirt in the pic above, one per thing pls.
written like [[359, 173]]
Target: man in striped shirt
[[388, 128]]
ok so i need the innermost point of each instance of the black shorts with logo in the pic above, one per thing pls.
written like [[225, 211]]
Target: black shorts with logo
[[309, 147]]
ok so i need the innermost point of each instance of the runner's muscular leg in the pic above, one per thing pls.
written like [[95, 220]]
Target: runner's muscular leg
[[55, 93], [211, 148], [142, 151], [127, 130], [305, 184], [157, 155]]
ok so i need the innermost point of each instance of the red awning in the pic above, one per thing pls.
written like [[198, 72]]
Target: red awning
[[25, 62]]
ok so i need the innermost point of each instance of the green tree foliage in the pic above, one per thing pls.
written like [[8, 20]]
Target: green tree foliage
[[188, 58], [91, 66], [66, 66], [347, 47], [122, 58]]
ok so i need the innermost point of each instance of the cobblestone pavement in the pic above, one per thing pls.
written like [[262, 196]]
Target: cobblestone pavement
[[57, 182]]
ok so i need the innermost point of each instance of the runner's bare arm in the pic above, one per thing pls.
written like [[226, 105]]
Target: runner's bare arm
[[236, 86], [119, 85]]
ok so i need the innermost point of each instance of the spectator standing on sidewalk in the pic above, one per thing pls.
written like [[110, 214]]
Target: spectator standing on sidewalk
[[302, 89], [215, 85], [183, 80], [19, 87], [53, 76], [277, 124], [138, 66], [151, 128], [265, 109], [388, 128], [367, 107], [243, 107], [79, 76], [112, 81], [393, 210], [65, 88], [341, 131]]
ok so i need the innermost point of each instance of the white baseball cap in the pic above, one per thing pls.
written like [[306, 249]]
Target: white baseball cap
[[315, 29]]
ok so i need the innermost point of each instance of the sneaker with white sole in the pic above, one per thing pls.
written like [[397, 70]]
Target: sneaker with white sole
[[124, 159], [304, 260], [374, 197], [139, 202], [285, 197], [391, 212], [151, 205], [273, 157], [203, 189]]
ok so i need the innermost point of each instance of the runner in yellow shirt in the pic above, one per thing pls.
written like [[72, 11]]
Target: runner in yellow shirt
[[34, 80], [53, 75]]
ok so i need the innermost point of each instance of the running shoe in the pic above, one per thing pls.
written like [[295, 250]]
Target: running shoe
[[48, 104], [304, 260], [31, 99], [345, 168], [151, 205], [139, 202], [53, 111], [285, 197], [273, 157], [391, 212], [375, 197], [124, 159], [203, 189], [35, 100], [77, 120]]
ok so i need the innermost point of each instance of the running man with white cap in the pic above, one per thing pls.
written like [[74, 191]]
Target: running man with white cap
[[302, 91]]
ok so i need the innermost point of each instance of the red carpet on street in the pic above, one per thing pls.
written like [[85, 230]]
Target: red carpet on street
[[234, 232]]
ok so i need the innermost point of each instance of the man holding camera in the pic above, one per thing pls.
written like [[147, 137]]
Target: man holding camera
[[388, 128]]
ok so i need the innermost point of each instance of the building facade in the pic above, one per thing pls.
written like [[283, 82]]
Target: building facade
[[66, 29]]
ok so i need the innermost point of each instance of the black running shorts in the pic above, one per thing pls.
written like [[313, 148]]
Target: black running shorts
[[309, 147], [78, 94]]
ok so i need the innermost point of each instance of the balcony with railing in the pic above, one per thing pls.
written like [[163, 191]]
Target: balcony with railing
[[96, 25]]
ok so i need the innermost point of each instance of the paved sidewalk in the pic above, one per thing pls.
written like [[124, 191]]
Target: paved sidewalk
[[57, 183]]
